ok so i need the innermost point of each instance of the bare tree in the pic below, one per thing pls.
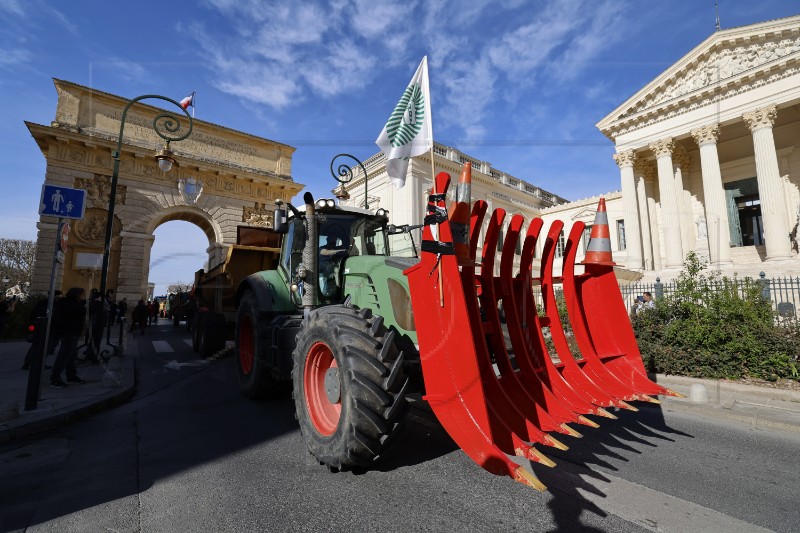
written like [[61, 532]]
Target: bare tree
[[178, 286], [16, 261]]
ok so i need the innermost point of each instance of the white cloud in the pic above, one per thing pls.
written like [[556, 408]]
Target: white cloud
[[9, 58]]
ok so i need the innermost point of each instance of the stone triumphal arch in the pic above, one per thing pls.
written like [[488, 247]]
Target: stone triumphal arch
[[242, 175]]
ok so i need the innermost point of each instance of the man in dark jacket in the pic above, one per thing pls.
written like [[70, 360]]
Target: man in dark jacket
[[68, 318]]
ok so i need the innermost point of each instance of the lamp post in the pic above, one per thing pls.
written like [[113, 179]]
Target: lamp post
[[171, 124]]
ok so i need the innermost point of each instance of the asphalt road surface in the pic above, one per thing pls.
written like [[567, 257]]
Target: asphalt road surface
[[189, 453]]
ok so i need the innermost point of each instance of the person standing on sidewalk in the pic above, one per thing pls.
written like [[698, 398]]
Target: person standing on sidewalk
[[68, 317]]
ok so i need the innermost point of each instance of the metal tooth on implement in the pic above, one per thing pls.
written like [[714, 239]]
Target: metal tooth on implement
[[453, 378], [606, 373], [599, 303], [587, 375], [533, 397], [526, 336], [508, 410]]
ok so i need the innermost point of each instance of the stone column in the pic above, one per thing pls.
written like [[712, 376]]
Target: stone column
[[633, 235], [640, 170], [134, 266], [652, 211], [719, 238], [770, 187], [669, 202], [680, 168]]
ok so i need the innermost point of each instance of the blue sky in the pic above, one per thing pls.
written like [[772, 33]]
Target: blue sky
[[519, 84]]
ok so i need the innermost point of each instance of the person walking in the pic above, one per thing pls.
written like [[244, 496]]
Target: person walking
[[68, 316], [139, 315]]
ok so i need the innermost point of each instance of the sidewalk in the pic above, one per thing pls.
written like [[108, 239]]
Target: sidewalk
[[57, 407], [751, 404]]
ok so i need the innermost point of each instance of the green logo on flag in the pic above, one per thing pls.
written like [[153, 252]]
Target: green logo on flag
[[407, 118]]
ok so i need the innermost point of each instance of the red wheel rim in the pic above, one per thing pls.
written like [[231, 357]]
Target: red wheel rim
[[323, 413], [246, 345]]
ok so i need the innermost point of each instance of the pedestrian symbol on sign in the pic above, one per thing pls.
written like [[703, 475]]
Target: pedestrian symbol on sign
[[57, 198]]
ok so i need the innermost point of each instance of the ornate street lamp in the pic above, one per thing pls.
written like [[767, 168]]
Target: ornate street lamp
[[166, 125], [344, 174]]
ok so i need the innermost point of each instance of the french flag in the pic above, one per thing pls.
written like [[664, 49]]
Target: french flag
[[188, 101]]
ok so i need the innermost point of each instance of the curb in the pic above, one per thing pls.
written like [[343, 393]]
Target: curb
[[72, 413]]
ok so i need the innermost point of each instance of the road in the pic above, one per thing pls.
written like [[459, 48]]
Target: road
[[189, 453]]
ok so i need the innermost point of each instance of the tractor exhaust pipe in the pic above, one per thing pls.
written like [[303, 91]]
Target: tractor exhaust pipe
[[310, 259]]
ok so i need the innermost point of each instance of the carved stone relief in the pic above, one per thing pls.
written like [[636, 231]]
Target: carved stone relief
[[98, 190], [719, 65], [91, 229]]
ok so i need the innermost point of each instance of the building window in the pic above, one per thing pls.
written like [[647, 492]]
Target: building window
[[560, 245], [587, 235], [500, 241], [518, 251], [621, 235]]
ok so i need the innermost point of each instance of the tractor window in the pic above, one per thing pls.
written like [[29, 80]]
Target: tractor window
[[292, 253]]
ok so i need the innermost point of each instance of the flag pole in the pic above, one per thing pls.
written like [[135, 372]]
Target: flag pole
[[433, 174]]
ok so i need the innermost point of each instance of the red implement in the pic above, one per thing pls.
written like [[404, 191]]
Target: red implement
[[448, 336]]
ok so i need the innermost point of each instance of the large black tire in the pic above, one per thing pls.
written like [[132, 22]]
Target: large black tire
[[252, 342], [211, 339], [349, 386]]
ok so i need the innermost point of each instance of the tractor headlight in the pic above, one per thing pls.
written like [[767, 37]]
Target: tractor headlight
[[382, 213], [320, 203], [330, 203]]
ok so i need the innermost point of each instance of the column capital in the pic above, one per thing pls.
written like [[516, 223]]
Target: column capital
[[708, 134], [645, 168], [663, 147], [761, 118], [625, 159], [681, 158]]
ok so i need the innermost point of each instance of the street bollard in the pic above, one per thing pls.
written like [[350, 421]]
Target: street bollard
[[37, 365], [659, 289]]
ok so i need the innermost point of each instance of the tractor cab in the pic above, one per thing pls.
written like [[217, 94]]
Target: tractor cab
[[338, 234]]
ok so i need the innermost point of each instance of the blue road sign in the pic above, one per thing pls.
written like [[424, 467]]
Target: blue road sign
[[62, 202]]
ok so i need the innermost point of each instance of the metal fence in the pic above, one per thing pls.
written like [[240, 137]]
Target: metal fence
[[783, 293]]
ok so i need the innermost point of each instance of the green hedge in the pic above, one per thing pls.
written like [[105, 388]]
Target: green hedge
[[716, 327]]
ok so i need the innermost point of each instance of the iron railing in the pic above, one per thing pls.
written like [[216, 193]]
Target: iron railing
[[782, 292]]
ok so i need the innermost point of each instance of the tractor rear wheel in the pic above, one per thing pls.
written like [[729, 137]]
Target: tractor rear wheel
[[349, 386], [252, 341]]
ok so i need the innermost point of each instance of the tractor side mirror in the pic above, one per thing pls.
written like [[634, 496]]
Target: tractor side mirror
[[279, 221]]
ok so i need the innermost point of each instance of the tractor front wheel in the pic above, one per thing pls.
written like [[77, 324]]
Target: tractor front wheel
[[349, 386]]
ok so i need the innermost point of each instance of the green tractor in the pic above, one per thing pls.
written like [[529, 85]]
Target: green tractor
[[333, 323]]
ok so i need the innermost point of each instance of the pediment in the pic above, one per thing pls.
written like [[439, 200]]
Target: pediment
[[587, 213], [725, 58]]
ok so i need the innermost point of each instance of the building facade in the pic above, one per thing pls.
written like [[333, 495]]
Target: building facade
[[709, 156]]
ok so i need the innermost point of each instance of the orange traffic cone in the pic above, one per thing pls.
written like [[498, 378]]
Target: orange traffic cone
[[599, 250], [459, 215]]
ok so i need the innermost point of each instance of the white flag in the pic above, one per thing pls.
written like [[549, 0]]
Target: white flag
[[409, 130]]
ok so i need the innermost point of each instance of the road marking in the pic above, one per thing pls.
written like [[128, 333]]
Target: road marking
[[646, 507], [175, 365], [162, 347]]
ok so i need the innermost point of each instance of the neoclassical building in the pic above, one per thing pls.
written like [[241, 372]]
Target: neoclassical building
[[709, 159]]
